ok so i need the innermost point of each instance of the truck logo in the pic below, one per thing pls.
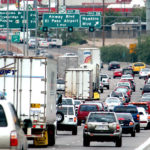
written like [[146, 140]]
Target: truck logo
[[7, 70]]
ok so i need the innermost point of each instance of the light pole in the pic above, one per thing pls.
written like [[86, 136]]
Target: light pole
[[103, 32], [7, 26]]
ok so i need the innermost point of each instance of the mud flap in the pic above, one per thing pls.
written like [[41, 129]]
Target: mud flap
[[96, 95], [42, 141]]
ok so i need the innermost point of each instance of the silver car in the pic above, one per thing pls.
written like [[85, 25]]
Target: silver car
[[11, 134]]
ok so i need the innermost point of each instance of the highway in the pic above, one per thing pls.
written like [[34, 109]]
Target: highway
[[66, 141]]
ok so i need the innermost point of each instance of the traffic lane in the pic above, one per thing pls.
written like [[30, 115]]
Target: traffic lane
[[65, 140]]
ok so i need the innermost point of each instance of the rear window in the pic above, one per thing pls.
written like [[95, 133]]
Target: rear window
[[3, 121], [60, 82], [146, 88], [102, 117], [127, 71], [67, 102], [142, 105], [139, 64], [125, 116], [126, 109], [66, 110], [88, 108]]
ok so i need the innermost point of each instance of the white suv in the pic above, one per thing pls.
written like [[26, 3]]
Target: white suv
[[66, 119], [104, 79]]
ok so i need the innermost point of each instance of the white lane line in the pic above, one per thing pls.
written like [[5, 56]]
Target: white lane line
[[144, 146]]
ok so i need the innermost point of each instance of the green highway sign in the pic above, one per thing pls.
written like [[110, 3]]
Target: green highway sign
[[90, 21], [94, 13], [61, 20], [73, 11], [16, 19], [15, 38]]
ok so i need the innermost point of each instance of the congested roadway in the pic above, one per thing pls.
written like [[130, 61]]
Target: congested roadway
[[65, 140]]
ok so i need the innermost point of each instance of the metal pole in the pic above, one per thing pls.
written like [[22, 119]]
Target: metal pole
[[27, 27], [49, 5], [24, 29], [36, 45], [139, 31], [103, 32], [7, 26], [94, 31], [64, 2]]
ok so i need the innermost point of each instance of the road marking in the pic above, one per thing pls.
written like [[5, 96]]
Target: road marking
[[144, 146]]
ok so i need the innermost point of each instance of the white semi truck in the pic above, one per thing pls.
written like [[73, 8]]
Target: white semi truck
[[30, 84], [78, 83]]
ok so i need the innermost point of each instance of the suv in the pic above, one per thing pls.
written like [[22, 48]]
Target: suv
[[102, 126], [11, 134], [66, 119], [134, 112], [104, 79], [84, 110]]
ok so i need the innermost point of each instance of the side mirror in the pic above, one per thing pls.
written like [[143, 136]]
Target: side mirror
[[59, 100], [141, 88]]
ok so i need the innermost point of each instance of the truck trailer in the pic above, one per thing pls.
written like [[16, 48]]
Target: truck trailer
[[29, 83]]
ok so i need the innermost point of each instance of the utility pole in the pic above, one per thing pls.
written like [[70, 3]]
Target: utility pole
[[103, 32], [7, 26], [148, 15], [64, 2]]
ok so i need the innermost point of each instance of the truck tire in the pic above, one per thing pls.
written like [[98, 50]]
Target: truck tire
[[51, 135], [75, 130], [138, 129], [79, 123], [60, 117], [119, 142], [133, 133]]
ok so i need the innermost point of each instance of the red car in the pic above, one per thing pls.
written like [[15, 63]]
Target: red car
[[84, 110], [117, 73], [124, 89]]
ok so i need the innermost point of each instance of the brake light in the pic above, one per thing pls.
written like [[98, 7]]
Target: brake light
[[13, 139], [148, 117], [34, 126], [138, 116], [117, 127], [131, 124], [42, 126], [85, 126], [75, 119]]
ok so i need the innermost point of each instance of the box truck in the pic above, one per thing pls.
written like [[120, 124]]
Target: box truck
[[30, 84], [78, 83]]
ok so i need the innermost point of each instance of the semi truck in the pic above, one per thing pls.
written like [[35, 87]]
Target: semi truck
[[29, 83], [78, 83]]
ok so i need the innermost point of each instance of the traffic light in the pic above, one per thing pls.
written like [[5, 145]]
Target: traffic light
[[70, 29], [91, 29], [44, 29]]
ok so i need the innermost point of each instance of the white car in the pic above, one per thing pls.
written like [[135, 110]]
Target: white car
[[66, 119], [60, 85], [111, 102], [104, 79], [144, 72], [43, 44], [68, 101], [143, 117]]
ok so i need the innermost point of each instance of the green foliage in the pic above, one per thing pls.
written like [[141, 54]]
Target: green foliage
[[139, 12], [143, 50], [115, 53]]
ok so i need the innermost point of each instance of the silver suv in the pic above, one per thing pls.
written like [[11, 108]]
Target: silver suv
[[102, 126], [66, 119], [11, 134]]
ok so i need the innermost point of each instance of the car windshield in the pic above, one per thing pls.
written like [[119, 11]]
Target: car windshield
[[112, 101], [124, 84], [123, 90], [66, 110], [104, 76], [116, 94], [60, 82], [145, 70], [146, 87], [88, 108], [144, 99], [125, 109], [138, 64], [142, 105], [3, 121], [102, 117], [127, 71], [77, 102], [67, 102]]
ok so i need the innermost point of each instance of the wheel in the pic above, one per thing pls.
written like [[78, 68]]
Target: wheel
[[119, 142], [138, 129], [133, 133], [139, 77], [86, 141], [74, 131], [51, 135], [114, 77], [79, 123], [107, 87], [60, 117], [101, 90]]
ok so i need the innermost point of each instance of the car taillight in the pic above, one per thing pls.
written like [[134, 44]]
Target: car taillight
[[34, 126], [148, 117], [117, 127], [131, 123], [85, 126], [13, 139], [138, 116], [75, 119], [142, 92]]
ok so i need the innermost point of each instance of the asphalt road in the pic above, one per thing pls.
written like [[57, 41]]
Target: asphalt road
[[66, 141]]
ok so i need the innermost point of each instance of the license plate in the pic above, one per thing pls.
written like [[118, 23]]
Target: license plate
[[101, 128], [70, 119], [33, 105]]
